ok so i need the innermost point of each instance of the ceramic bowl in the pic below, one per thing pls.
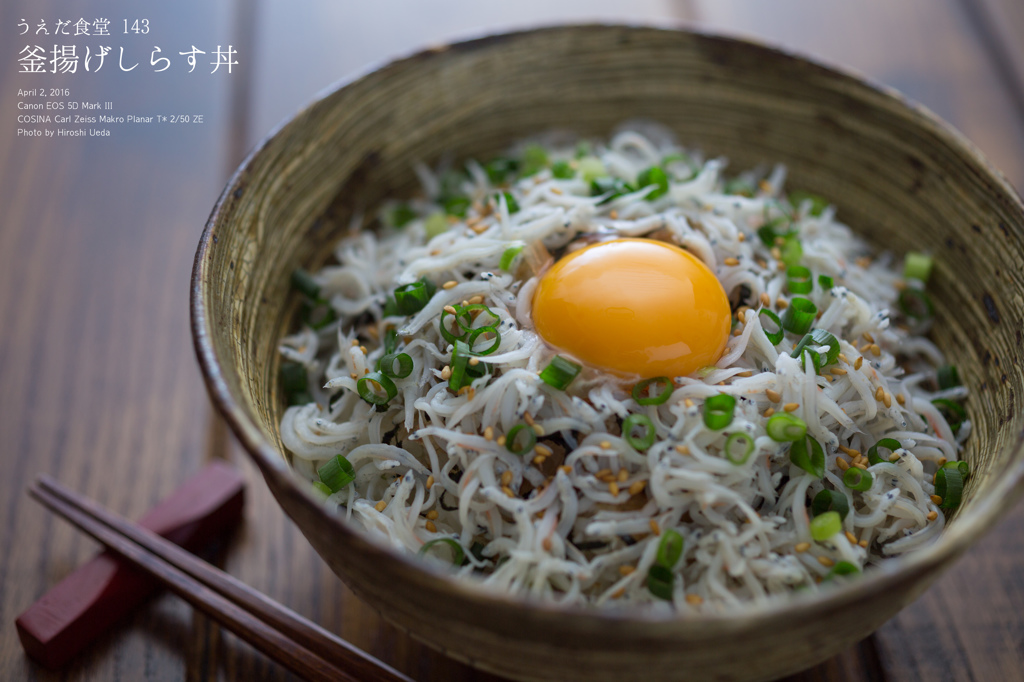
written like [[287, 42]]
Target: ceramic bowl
[[899, 176]]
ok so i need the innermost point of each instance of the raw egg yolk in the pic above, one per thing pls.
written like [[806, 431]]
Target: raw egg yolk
[[634, 306]]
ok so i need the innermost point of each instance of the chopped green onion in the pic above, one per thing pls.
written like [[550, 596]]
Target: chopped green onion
[[321, 488], [513, 434], [591, 168], [510, 203], [718, 411], [768, 234], [376, 388], [774, 337], [562, 170], [739, 186], [819, 337], [402, 215], [304, 282], [953, 412], [652, 398], [890, 444], [961, 465], [458, 554], [738, 448], [799, 315], [471, 339], [653, 176], [809, 457], [856, 478], [411, 298], [390, 340], [318, 315], [842, 568], [949, 485], [447, 333], [460, 361], [436, 224], [465, 312], [336, 473], [792, 251], [916, 303], [826, 525], [826, 282], [659, 582], [798, 279], [644, 422], [610, 187], [818, 204], [299, 398], [509, 255], [670, 549], [454, 205], [390, 307], [830, 500], [535, 157], [677, 157], [560, 372], [949, 377], [294, 377], [500, 168], [917, 266], [387, 365], [786, 428]]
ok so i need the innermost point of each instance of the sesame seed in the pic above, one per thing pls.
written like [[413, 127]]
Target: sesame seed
[[367, 371], [868, 337], [745, 374], [776, 253], [862, 465], [655, 528], [769, 412], [637, 487], [900, 399], [826, 562], [565, 468], [556, 190], [355, 343], [429, 525], [449, 284], [791, 407], [842, 463], [542, 449], [468, 390], [539, 459], [476, 299], [694, 599], [603, 473], [858, 362], [450, 309], [430, 482], [838, 371], [932, 515], [538, 429], [802, 547], [766, 300], [528, 418], [489, 433], [626, 570], [353, 375], [613, 488], [942, 461], [508, 491], [501, 440], [863, 543], [606, 445], [894, 457], [851, 537], [936, 499], [687, 402], [773, 396], [613, 214], [849, 451], [546, 544], [879, 392], [741, 237], [381, 506], [781, 303], [731, 261], [622, 475], [432, 514], [875, 350], [474, 361], [737, 332], [683, 449], [618, 593], [842, 358], [506, 477]]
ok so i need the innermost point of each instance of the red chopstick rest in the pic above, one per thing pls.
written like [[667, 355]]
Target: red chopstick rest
[[89, 601]]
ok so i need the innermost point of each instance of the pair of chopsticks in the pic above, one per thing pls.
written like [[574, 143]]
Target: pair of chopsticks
[[288, 638]]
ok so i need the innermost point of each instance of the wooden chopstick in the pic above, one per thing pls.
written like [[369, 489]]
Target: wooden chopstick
[[282, 634]]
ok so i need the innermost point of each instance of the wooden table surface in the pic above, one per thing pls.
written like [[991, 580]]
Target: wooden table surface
[[98, 382]]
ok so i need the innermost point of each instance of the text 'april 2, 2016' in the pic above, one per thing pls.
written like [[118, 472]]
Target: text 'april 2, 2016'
[[49, 112]]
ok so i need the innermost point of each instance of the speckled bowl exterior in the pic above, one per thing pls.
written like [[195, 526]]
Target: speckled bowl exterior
[[899, 176]]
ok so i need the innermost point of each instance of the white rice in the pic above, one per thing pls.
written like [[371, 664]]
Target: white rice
[[564, 535]]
